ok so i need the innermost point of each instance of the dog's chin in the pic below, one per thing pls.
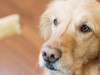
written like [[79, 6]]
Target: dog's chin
[[55, 69], [51, 67]]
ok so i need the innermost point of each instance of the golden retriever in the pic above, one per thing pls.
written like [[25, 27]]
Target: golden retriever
[[71, 30]]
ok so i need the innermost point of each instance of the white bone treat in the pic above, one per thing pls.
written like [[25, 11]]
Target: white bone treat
[[9, 26]]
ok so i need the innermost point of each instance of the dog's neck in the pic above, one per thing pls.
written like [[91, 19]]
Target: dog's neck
[[92, 68]]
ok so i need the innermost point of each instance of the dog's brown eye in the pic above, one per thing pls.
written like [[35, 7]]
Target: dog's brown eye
[[84, 28], [55, 22]]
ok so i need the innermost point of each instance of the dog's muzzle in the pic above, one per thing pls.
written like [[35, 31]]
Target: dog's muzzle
[[50, 56]]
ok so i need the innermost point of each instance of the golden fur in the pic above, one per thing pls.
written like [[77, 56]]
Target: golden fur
[[80, 51]]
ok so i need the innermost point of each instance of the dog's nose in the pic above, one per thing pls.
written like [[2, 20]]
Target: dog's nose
[[51, 55]]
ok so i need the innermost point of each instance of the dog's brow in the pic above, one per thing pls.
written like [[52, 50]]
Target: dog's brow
[[68, 23]]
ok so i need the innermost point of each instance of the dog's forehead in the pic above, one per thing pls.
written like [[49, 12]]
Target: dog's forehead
[[71, 5], [67, 11]]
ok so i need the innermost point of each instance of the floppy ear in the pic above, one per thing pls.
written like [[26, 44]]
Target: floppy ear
[[97, 29], [45, 27], [97, 25]]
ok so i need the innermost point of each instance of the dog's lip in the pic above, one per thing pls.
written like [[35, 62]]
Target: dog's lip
[[51, 67]]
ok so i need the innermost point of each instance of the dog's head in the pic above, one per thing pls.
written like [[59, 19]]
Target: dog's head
[[71, 30]]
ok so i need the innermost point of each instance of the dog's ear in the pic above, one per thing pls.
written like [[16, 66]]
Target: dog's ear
[[97, 25], [97, 30], [45, 27]]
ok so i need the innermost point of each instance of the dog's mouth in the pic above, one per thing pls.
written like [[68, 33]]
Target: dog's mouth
[[51, 67]]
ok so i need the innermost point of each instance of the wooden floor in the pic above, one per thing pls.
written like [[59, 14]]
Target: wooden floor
[[19, 55]]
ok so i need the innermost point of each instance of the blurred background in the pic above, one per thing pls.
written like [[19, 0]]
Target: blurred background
[[19, 54]]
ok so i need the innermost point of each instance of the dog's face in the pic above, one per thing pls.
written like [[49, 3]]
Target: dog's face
[[71, 29]]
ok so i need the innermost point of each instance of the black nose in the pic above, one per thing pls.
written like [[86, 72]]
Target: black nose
[[51, 55]]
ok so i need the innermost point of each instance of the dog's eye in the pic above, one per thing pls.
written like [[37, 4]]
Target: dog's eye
[[84, 28], [55, 22]]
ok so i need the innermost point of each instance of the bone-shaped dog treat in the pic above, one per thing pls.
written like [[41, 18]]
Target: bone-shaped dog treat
[[9, 26]]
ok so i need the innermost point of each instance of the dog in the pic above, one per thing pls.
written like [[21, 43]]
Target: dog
[[71, 31]]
